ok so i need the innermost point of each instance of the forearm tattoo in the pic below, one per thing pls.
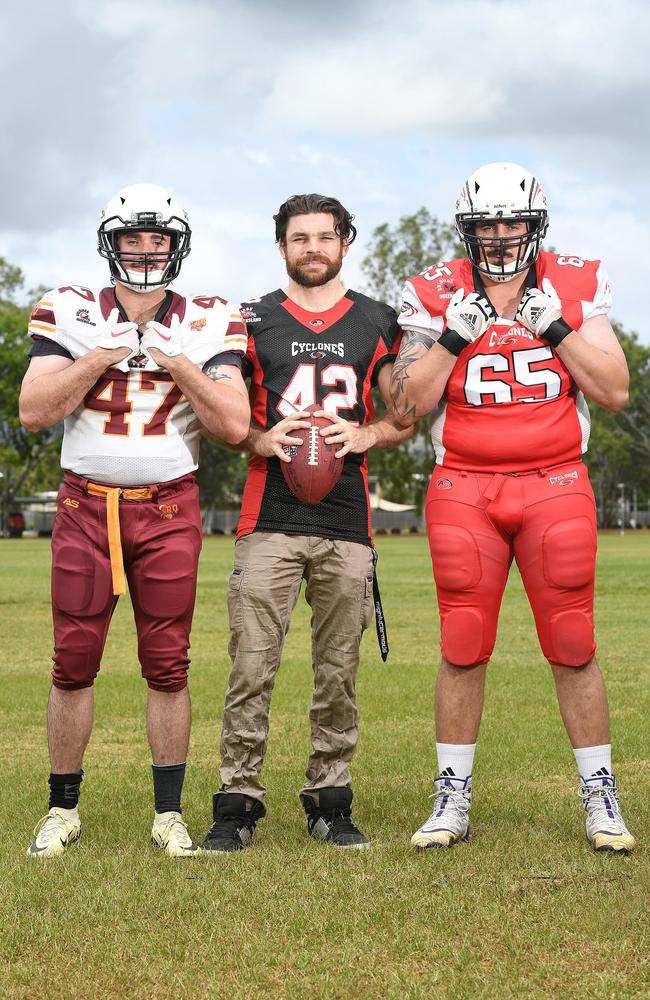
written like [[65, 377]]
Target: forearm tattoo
[[415, 345]]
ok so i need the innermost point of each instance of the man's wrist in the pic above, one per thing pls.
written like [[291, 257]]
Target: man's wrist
[[453, 342], [556, 332]]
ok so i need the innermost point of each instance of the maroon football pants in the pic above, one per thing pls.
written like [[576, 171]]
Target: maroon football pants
[[161, 542]]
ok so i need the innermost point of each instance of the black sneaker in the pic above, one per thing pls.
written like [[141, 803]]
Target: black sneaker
[[235, 817], [330, 819]]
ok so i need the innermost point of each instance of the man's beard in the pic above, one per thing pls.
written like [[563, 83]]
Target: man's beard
[[312, 279]]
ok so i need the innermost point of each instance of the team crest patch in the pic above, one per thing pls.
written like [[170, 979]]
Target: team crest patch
[[444, 484], [69, 502], [168, 510], [198, 324], [83, 316]]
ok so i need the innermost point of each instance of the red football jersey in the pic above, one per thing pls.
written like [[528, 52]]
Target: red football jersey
[[510, 405]]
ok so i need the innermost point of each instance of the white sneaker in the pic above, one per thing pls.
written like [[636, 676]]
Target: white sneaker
[[605, 828], [169, 832], [448, 823], [54, 832]]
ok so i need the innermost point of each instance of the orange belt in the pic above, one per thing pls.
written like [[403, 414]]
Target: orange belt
[[113, 496]]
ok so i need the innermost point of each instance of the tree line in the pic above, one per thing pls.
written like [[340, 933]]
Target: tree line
[[619, 449]]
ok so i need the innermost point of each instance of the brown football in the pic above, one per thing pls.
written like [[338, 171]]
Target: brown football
[[313, 470]]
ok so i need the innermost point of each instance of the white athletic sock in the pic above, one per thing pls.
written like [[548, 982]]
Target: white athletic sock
[[455, 760], [594, 762]]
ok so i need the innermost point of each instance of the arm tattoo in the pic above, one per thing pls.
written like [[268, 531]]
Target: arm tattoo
[[218, 373], [415, 344]]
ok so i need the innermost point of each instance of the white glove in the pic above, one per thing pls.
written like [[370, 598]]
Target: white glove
[[539, 308], [467, 317], [167, 339], [119, 334]]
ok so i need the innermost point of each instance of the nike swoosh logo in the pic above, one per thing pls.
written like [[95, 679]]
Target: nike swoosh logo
[[163, 335]]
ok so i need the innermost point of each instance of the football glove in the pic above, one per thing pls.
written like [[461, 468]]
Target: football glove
[[119, 334], [467, 317], [167, 339], [540, 311]]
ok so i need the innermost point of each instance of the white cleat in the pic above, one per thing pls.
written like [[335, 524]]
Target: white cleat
[[448, 824], [604, 827], [169, 833], [54, 832]]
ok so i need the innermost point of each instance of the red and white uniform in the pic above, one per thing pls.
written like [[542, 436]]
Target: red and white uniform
[[134, 427], [510, 405]]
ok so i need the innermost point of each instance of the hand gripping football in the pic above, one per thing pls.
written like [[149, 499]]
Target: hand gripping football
[[313, 470]]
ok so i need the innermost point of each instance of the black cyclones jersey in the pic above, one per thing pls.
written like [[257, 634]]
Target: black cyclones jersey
[[296, 358]]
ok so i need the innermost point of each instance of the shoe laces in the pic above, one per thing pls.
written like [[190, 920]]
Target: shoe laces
[[456, 801], [49, 824], [341, 822], [176, 827], [601, 803]]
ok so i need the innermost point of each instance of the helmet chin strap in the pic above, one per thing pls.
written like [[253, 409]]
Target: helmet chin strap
[[139, 286]]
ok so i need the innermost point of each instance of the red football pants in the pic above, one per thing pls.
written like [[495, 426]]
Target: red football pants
[[161, 542], [478, 522]]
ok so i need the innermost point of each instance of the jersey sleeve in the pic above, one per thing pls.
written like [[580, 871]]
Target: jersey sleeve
[[43, 347], [602, 300], [233, 358], [414, 316], [44, 322], [235, 339]]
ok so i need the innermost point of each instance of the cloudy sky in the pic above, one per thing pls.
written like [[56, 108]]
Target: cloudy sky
[[387, 105]]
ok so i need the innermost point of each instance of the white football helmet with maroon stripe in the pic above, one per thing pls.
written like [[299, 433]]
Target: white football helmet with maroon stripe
[[144, 208], [502, 192]]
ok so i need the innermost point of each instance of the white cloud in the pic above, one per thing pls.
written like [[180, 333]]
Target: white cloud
[[235, 107]]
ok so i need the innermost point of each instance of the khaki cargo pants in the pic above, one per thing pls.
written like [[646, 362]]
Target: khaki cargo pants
[[262, 592]]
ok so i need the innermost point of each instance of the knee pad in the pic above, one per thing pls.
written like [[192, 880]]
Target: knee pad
[[571, 638], [457, 568], [464, 640]]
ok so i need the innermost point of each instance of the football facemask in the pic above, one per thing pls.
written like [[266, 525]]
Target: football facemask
[[500, 192], [144, 208]]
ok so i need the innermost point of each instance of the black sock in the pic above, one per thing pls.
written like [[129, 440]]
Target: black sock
[[167, 786], [64, 790]]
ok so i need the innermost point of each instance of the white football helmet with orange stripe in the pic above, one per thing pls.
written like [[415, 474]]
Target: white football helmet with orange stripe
[[502, 192]]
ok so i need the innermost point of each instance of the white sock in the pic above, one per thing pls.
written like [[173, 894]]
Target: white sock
[[594, 762], [455, 760]]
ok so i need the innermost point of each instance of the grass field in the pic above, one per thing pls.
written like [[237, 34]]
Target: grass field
[[524, 909]]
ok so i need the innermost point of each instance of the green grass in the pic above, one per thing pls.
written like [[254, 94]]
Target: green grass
[[524, 909]]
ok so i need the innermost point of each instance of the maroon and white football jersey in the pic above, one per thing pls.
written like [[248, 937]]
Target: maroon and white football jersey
[[134, 427]]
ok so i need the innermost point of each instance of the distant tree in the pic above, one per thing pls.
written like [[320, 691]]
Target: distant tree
[[397, 252], [22, 455], [619, 446], [221, 474]]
